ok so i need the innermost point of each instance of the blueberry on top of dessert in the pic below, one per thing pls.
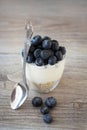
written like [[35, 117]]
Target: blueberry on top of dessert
[[44, 51]]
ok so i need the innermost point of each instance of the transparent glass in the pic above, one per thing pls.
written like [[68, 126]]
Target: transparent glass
[[44, 78]]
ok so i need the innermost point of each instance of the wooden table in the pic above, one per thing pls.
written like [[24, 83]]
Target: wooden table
[[65, 21]]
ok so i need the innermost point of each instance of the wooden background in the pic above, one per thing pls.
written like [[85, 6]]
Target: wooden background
[[66, 21]]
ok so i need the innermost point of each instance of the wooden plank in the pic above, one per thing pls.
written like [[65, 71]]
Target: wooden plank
[[62, 20]]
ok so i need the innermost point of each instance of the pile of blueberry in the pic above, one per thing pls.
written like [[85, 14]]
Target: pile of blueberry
[[45, 51], [50, 102]]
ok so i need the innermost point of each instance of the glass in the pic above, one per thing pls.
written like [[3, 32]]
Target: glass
[[44, 78]]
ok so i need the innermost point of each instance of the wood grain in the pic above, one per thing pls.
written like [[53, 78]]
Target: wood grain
[[62, 20]]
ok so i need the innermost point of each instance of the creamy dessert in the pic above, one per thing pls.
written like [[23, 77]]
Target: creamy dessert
[[44, 64]]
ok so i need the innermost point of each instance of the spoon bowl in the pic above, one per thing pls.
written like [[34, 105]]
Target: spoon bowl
[[18, 96]]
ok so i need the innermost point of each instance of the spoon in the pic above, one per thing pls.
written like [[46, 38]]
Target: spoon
[[21, 89]]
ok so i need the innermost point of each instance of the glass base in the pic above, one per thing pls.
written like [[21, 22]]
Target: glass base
[[43, 88]]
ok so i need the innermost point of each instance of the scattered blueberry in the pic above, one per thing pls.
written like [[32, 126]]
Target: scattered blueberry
[[44, 110], [62, 49], [30, 58], [50, 102], [46, 38], [59, 55], [36, 40], [37, 53], [47, 118], [52, 60], [37, 101], [55, 45], [46, 44], [45, 54], [39, 62]]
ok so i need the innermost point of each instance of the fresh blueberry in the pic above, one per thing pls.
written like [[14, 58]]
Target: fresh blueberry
[[59, 55], [37, 101], [37, 53], [45, 54], [44, 110], [36, 40], [52, 60], [30, 58], [46, 44], [46, 38], [62, 49], [51, 52], [39, 62], [50, 102], [45, 62], [47, 118], [40, 46], [55, 45], [31, 49]]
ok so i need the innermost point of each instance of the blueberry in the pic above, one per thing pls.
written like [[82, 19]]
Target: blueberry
[[44, 110], [47, 118], [55, 45], [37, 101], [45, 62], [45, 54], [50, 102], [40, 46], [62, 49], [46, 44], [36, 40], [52, 60], [30, 58], [39, 62], [31, 49], [46, 38], [37, 53], [51, 52], [59, 55]]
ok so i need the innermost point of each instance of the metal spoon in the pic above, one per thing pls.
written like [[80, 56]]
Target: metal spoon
[[21, 89]]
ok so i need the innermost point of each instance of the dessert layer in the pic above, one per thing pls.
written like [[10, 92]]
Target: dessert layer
[[44, 74]]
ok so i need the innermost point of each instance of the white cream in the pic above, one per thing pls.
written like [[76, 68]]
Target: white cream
[[44, 74]]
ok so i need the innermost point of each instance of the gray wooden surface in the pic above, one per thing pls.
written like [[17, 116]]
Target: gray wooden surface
[[65, 21]]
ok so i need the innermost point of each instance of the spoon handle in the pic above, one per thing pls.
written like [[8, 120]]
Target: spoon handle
[[24, 64], [29, 33]]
